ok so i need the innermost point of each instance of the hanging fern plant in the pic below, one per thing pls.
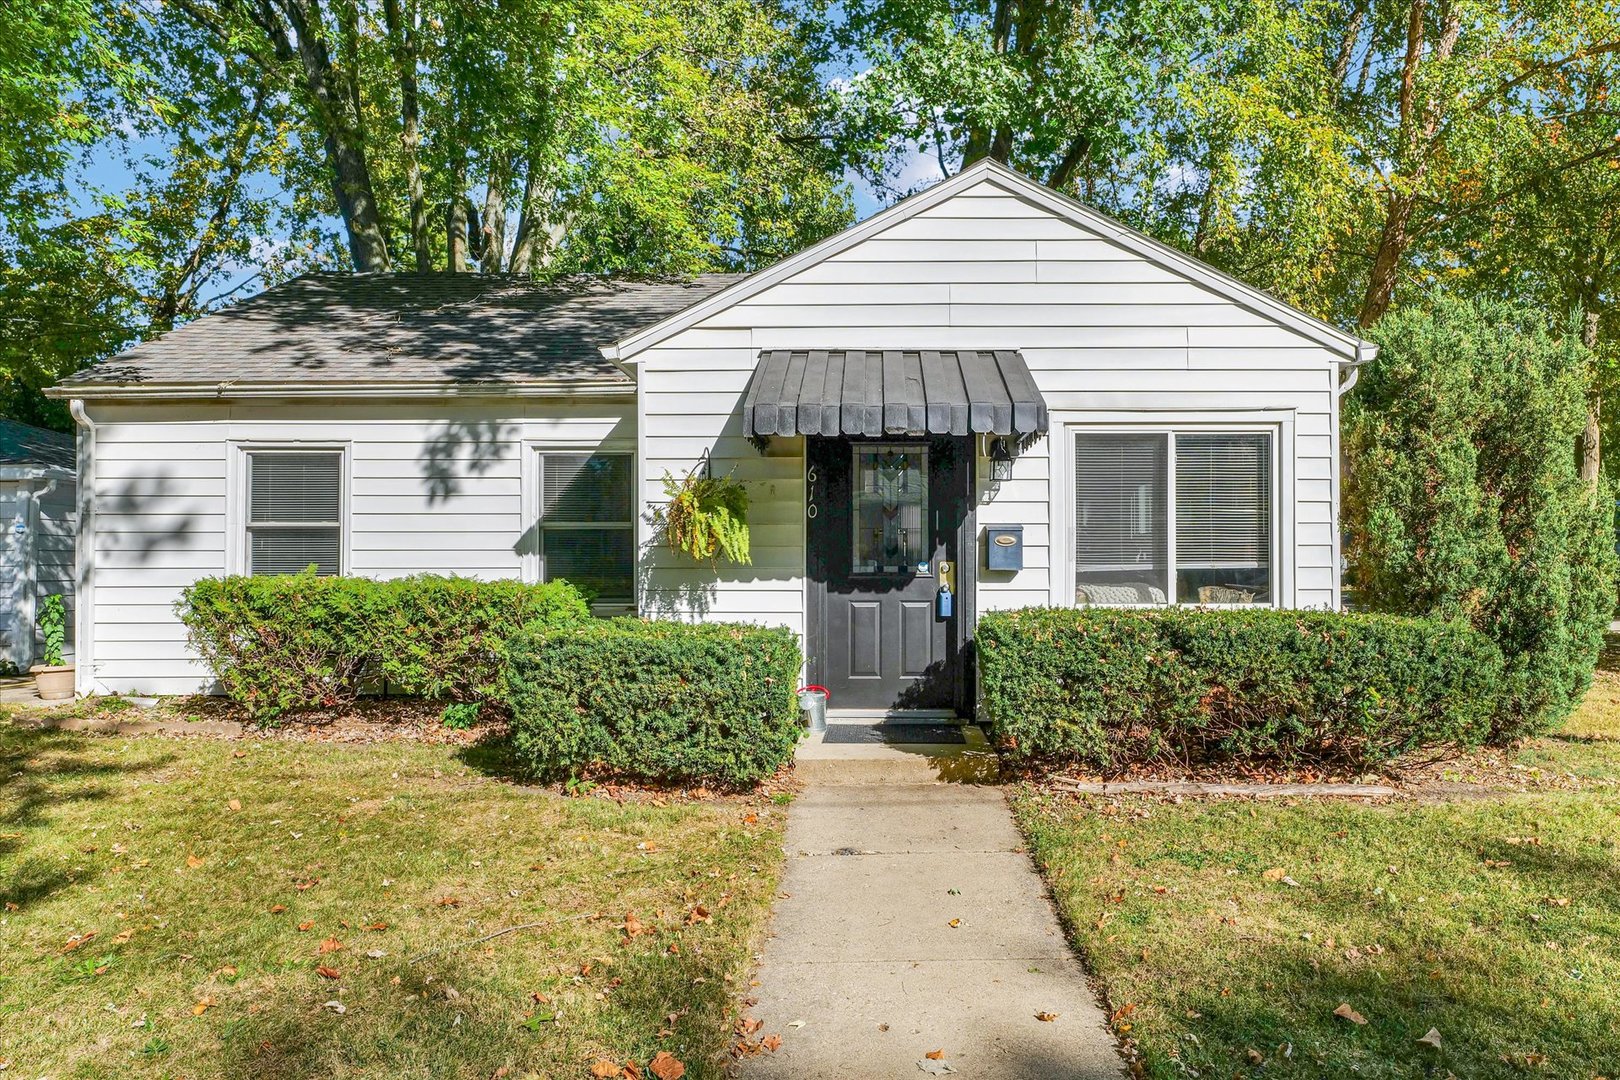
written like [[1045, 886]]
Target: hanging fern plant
[[707, 517]]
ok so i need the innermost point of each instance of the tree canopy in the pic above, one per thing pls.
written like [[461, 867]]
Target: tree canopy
[[1347, 155]]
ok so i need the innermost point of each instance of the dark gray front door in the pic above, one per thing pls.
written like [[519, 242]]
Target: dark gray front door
[[886, 514]]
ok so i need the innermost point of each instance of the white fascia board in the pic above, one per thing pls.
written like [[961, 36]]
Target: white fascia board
[[227, 391], [623, 353]]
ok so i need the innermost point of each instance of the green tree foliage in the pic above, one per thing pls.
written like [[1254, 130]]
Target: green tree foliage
[[1464, 499], [168, 157], [580, 135], [1324, 150]]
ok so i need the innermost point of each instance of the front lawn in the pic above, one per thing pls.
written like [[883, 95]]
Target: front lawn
[[1227, 933], [249, 908]]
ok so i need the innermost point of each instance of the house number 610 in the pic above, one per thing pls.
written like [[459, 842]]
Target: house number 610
[[810, 493]]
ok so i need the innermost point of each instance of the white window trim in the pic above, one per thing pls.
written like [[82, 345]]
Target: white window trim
[[533, 449], [236, 504], [1278, 423]]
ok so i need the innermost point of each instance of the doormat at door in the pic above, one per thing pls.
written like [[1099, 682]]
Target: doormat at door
[[895, 734]]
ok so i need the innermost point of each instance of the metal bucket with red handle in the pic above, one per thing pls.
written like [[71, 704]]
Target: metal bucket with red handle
[[813, 707]]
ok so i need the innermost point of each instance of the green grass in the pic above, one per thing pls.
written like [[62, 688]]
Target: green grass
[[196, 904], [1495, 921]]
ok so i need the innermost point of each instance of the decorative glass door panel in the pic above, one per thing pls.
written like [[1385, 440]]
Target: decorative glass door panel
[[889, 510], [881, 519]]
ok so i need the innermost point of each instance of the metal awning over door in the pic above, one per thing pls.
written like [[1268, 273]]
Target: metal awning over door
[[892, 392]]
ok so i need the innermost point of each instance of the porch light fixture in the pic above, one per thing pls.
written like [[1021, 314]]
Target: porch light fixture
[[1001, 460]]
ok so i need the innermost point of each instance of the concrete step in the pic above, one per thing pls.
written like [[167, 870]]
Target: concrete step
[[971, 761]]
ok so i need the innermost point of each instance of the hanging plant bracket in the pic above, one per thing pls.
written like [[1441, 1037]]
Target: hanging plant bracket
[[706, 516]]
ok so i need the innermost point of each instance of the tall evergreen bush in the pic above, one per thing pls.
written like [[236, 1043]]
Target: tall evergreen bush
[[1463, 500]]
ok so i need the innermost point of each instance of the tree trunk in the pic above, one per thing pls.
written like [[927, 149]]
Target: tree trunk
[[1347, 46], [1419, 136], [1392, 245], [345, 151], [345, 147], [1591, 438], [981, 141], [494, 230], [1079, 150], [455, 217], [526, 245], [402, 37]]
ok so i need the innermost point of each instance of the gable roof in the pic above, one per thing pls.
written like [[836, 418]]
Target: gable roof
[[25, 444], [326, 331], [1348, 346]]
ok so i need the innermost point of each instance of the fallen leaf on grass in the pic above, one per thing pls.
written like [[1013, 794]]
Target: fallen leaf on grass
[[122, 936], [1276, 873], [1345, 1012], [306, 925], [326, 972], [1556, 901], [335, 1006], [634, 927], [666, 1066], [449, 901], [277, 909], [203, 1006], [605, 1069], [194, 861], [1256, 1057], [1046, 1017], [1432, 1038], [235, 804], [78, 939], [330, 945], [375, 954]]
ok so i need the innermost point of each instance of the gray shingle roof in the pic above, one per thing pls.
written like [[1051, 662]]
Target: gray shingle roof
[[25, 444], [407, 328]]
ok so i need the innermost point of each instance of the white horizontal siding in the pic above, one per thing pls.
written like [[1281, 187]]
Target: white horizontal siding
[[1105, 332], [432, 488]]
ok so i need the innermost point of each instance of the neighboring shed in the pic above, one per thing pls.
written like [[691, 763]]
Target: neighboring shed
[[37, 507]]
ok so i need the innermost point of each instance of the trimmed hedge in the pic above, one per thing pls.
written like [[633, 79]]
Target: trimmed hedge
[[1111, 687], [711, 702], [299, 641]]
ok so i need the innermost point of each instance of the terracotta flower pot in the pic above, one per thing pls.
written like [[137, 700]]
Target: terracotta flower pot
[[53, 682]]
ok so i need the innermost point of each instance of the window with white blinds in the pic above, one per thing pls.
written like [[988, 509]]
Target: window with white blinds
[[1220, 503], [1121, 500], [294, 513], [587, 526]]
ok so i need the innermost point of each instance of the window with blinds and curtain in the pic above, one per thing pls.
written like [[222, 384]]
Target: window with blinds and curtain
[[587, 527], [1173, 517], [294, 513]]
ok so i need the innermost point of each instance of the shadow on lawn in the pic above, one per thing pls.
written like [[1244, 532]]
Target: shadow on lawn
[[41, 771], [493, 756]]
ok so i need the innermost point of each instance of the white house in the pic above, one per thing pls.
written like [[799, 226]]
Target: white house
[[987, 387], [37, 511]]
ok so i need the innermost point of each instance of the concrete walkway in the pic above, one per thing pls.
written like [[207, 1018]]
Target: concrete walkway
[[882, 860]]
